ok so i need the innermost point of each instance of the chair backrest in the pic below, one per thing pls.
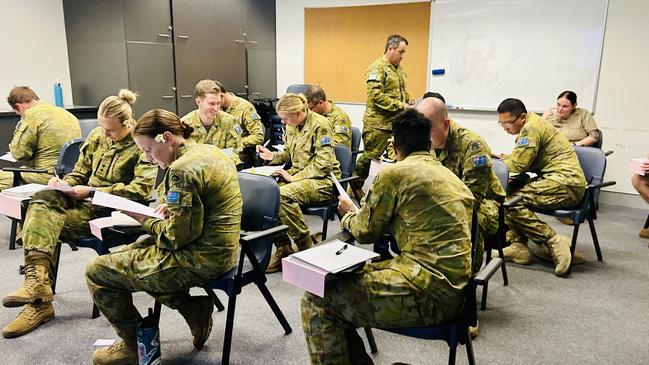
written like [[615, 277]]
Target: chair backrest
[[600, 141], [87, 125], [593, 163], [297, 88], [502, 172], [260, 196], [356, 138], [344, 157], [68, 156]]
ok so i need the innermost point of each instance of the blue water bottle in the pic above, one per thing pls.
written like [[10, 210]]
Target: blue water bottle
[[58, 95]]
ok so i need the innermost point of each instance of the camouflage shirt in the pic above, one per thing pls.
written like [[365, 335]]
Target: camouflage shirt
[[541, 149], [201, 231], [225, 132], [428, 211], [340, 124], [386, 93], [310, 150], [468, 156], [245, 112], [117, 168], [41, 132]]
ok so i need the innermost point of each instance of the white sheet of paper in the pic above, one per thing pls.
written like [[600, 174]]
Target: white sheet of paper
[[8, 157], [104, 342], [279, 147], [324, 256], [28, 190], [341, 191], [263, 170], [119, 203], [121, 219], [228, 151]]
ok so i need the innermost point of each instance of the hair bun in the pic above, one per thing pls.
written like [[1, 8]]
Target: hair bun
[[127, 95]]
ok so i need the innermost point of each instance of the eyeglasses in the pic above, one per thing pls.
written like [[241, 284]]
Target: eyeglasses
[[509, 124]]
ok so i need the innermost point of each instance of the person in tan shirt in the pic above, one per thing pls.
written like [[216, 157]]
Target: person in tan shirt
[[577, 124]]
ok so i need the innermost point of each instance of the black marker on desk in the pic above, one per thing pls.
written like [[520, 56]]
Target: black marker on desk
[[341, 249]]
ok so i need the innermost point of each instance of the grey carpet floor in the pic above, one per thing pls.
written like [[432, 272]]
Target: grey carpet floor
[[596, 316]]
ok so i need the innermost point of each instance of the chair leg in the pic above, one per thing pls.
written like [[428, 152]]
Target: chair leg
[[370, 340], [12, 235], [273, 305], [469, 349], [227, 337], [451, 355], [646, 222], [485, 290], [56, 257], [325, 225], [593, 233], [217, 303], [503, 267], [95, 311]]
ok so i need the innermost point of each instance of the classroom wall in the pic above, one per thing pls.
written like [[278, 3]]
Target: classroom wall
[[34, 47], [621, 94]]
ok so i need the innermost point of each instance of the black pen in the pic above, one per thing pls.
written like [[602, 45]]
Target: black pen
[[341, 249]]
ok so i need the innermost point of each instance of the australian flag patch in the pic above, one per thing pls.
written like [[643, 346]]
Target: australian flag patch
[[523, 142], [173, 197], [325, 141], [480, 161]]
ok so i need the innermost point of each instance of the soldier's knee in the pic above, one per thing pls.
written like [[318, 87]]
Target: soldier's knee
[[92, 269]]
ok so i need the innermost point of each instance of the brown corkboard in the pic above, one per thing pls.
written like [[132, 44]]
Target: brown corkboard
[[339, 44]]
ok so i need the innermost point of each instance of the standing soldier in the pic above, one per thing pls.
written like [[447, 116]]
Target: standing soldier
[[310, 151], [249, 120], [542, 150], [196, 243], [340, 123], [109, 161], [385, 81], [211, 124], [428, 210], [39, 135]]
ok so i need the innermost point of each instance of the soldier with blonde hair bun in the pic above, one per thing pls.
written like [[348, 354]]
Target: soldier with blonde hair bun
[[310, 150], [109, 161]]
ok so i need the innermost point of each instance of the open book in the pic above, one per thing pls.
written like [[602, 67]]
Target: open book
[[28, 190], [119, 203]]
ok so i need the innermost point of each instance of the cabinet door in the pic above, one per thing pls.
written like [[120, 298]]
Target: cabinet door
[[230, 68], [192, 19], [260, 24], [85, 21], [147, 21], [151, 76], [193, 63], [229, 23], [262, 73]]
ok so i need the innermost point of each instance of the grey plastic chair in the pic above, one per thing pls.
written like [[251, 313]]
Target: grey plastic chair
[[87, 125], [297, 88]]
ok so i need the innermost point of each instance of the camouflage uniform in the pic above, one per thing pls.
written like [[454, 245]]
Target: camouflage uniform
[[468, 156], [225, 132], [428, 210], [579, 125], [311, 153], [37, 140], [541, 149], [196, 243], [386, 93], [253, 129], [340, 124], [117, 168]]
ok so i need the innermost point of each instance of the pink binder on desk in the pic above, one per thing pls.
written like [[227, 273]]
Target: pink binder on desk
[[304, 275], [97, 224], [11, 206]]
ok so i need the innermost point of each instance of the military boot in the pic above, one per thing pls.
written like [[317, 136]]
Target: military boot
[[474, 331], [30, 317], [544, 254], [37, 287], [275, 264], [644, 233], [517, 253], [559, 247], [197, 312], [304, 243], [119, 353]]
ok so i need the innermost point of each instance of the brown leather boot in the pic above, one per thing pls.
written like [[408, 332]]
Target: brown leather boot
[[30, 317], [197, 312], [37, 287], [543, 253], [119, 353]]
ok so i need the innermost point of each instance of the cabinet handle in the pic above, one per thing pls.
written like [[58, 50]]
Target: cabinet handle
[[186, 96], [182, 36], [167, 96], [253, 42], [256, 93], [163, 35], [239, 41]]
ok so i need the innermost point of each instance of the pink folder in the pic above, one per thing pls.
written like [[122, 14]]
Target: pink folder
[[635, 165], [304, 275], [97, 224], [10, 206]]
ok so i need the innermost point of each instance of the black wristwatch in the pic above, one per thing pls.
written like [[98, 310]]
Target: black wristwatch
[[92, 192]]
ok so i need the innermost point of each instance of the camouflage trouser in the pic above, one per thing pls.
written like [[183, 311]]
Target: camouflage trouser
[[299, 194], [374, 143], [379, 298], [7, 178], [487, 226], [141, 266], [540, 194], [53, 216]]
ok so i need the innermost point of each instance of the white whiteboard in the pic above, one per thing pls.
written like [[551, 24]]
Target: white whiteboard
[[531, 50]]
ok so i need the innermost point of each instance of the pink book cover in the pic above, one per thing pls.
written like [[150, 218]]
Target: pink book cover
[[97, 224], [303, 275], [10, 206], [635, 165]]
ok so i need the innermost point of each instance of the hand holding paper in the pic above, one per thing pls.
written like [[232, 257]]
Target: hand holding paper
[[125, 205]]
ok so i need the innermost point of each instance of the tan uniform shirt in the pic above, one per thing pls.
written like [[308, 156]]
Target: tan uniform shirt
[[578, 126]]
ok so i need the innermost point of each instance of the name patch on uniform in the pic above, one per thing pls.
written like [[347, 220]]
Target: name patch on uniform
[[373, 77], [238, 129], [523, 142], [480, 161], [325, 141], [173, 197]]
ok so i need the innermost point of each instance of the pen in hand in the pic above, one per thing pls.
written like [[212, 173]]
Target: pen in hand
[[341, 249]]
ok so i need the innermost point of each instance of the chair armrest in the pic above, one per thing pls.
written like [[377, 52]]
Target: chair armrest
[[601, 185], [488, 271], [608, 153], [126, 230], [348, 179], [262, 234], [512, 201], [356, 152], [24, 169]]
